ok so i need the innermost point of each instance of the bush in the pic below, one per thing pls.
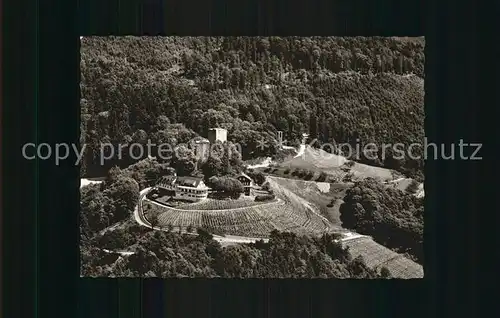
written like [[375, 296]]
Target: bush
[[348, 177], [115, 240], [258, 177], [300, 173], [265, 197], [204, 234], [333, 179], [287, 171], [385, 273], [267, 187], [309, 175], [322, 177]]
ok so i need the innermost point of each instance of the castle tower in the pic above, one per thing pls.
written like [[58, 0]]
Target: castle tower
[[217, 134]]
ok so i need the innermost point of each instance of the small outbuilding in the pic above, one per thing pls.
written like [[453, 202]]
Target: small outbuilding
[[246, 181]]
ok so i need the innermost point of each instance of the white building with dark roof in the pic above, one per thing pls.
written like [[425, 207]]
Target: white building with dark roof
[[184, 188]]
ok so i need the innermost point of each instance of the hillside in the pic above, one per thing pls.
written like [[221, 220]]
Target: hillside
[[320, 160], [377, 256], [320, 194], [333, 88], [290, 213]]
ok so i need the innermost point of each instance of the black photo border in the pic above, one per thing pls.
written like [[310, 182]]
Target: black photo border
[[40, 201]]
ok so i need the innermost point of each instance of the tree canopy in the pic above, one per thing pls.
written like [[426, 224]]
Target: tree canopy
[[392, 217], [226, 186], [171, 89], [168, 254]]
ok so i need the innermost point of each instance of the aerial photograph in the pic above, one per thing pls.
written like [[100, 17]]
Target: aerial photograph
[[252, 157]]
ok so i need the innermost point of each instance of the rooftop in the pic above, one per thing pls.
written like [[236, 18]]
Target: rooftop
[[188, 181], [167, 179], [245, 176], [182, 181]]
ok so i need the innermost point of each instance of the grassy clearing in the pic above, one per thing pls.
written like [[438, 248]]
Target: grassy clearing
[[301, 174], [318, 160]]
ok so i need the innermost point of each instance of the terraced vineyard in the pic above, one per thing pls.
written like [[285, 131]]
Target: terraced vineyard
[[290, 213], [253, 221], [212, 204], [377, 256]]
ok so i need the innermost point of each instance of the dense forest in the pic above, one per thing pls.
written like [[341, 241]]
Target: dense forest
[[392, 217], [169, 254], [172, 89]]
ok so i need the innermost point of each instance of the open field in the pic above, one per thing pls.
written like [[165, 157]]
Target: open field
[[319, 160], [377, 256]]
